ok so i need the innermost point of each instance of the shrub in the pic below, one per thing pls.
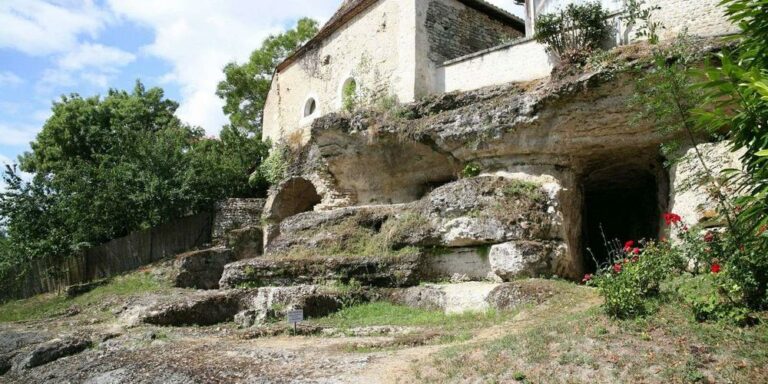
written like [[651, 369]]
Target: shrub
[[574, 32], [632, 278], [471, 170]]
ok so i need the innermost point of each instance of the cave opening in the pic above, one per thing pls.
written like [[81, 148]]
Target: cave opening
[[296, 195], [619, 206]]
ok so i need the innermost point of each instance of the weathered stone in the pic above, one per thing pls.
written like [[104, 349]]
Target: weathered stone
[[524, 258], [201, 269], [245, 243], [273, 302], [509, 296], [233, 214], [369, 271], [5, 364], [468, 263], [691, 186], [54, 350], [202, 308], [450, 298]]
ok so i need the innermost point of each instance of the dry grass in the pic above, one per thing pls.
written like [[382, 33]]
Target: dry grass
[[564, 345]]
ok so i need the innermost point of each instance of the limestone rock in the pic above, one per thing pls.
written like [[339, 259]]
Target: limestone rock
[[5, 364], [369, 271], [201, 269], [54, 350], [200, 308], [524, 258], [245, 242], [509, 296], [273, 302]]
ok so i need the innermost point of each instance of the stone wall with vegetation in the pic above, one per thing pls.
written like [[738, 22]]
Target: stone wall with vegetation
[[235, 214]]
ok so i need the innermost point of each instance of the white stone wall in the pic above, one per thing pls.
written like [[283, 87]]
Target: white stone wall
[[689, 196], [373, 49], [700, 17], [516, 62]]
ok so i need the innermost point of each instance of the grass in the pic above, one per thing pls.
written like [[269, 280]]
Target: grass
[[49, 305], [583, 345], [383, 313]]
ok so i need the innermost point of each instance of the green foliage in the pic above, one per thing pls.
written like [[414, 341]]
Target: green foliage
[[737, 102], [636, 10], [274, 167], [349, 95], [246, 85], [574, 32], [471, 170], [631, 281], [103, 167], [701, 293], [525, 189]]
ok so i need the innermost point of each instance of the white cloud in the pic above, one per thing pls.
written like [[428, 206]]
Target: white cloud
[[17, 135], [95, 55], [38, 27], [8, 78], [199, 40]]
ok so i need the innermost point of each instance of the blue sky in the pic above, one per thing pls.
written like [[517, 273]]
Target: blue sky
[[54, 47]]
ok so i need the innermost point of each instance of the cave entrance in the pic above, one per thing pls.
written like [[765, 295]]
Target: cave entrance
[[295, 196], [619, 205]]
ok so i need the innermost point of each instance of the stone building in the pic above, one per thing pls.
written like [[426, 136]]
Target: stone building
[[376, 49], [559, 165], [401, 50]]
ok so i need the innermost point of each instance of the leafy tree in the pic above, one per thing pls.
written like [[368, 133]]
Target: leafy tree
[[246, 85], [104, 167]]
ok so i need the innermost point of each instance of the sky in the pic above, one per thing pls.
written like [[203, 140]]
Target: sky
[[50, 48]]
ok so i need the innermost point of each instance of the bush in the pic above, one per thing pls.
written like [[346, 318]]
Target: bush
[[573, 33], [634, 276]]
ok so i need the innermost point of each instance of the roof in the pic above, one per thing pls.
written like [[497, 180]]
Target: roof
[[351, 8]]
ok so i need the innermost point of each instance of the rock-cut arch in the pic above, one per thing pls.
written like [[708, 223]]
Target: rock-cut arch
[[293, 196]]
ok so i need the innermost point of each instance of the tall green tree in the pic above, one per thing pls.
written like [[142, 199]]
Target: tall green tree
[[103, 167], [246, 85]]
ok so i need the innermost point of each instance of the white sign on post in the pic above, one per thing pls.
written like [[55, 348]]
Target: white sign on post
[[295, 316]]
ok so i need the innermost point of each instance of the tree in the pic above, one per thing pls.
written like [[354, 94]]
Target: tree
[[247, 85], [104, 167]]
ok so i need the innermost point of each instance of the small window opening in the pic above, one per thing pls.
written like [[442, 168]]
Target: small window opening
[[310, 107]]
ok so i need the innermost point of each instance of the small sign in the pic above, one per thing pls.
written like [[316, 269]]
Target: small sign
[[295, 316]]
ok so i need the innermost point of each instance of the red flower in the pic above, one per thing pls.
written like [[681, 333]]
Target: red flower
[[715, 268], [762, 230], [709, 237], [636, 251], [635, 259], [663, 239], [617, 268], [671, 218], [586, 278], [628, 245]]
